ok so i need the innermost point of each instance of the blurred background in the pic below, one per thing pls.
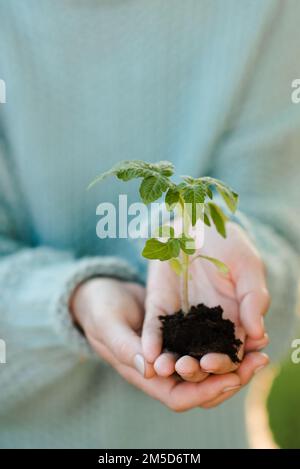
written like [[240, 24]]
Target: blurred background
[[273, 406]]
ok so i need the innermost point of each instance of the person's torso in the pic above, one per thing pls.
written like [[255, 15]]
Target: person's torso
[[92, 83]]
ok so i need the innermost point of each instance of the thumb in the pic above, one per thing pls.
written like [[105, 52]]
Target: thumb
[[162, 298], [152, 334], [126, 346]]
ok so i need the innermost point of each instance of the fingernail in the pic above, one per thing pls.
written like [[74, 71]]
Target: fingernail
[[262, 323], [261, 347], [260, 368], [231, 388], [139, 364], [266, 339]]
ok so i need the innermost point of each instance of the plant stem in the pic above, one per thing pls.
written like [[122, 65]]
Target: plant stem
[[185, 284], [185, 306]]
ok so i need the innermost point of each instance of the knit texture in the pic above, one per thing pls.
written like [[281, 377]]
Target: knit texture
[[205, 84]]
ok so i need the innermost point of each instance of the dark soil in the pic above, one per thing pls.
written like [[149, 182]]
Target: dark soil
[[203, 330]]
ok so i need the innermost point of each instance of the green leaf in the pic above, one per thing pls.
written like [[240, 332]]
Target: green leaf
[[137, 168], [176, 266], [230, 197], [184, 240], [166, 168], [110, 172], [172, 198], [155, 249], [194, 194], [189, 179], [152, 188], [206, 216], [223, 268], [165, 231], [218, 217], [132, 169], [209, 193]]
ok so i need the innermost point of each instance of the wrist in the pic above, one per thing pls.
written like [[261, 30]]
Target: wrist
[[86, 298], [82, 302]]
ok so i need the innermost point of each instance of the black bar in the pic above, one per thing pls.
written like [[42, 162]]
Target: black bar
[[143, 457]]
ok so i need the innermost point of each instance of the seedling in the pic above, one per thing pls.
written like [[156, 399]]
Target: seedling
[[194, 199]]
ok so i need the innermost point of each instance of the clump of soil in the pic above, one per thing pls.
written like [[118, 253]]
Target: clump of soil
[[203, 330]]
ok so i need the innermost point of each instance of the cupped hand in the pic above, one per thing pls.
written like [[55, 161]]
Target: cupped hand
[[111, 314], [242, 294]]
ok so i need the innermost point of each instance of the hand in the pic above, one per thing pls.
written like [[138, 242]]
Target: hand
[[243, 296], [111, 314]]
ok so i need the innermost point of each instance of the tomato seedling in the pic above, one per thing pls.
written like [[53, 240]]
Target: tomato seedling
[[194, 330]]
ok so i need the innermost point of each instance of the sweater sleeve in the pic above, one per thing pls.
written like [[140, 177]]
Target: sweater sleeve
[[259, 157], [36, 283]]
